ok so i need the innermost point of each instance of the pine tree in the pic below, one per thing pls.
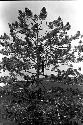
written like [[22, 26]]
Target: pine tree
[[26, 48]]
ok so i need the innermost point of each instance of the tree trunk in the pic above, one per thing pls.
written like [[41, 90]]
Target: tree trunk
[[38, 64], [38, 61], [43, 65]]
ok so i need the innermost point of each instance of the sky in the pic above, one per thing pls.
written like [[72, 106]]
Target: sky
[[69, 11]]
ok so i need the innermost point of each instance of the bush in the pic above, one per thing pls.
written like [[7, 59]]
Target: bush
[[34, 107]]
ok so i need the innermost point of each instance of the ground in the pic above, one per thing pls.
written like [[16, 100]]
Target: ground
[[59, 95]]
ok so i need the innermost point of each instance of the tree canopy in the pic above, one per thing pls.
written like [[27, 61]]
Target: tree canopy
[[26, 48]]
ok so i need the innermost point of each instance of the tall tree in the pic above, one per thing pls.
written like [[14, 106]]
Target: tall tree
[[26, 48], [34, 42]]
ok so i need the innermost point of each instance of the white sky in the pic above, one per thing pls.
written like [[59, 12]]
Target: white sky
[[69, 11]]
